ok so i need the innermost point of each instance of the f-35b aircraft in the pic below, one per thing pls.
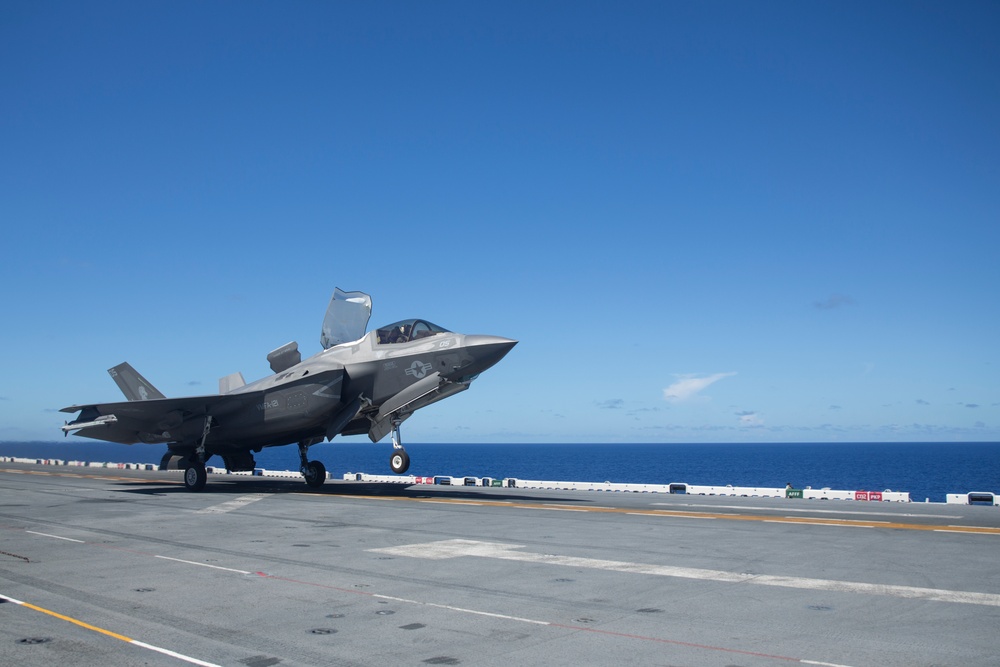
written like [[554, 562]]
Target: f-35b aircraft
[[360, 383]]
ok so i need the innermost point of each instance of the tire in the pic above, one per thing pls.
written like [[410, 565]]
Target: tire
[[315, 474], [399, 461], [195, 477]]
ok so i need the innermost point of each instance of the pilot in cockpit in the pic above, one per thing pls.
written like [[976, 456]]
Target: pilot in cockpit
[[399, 334]]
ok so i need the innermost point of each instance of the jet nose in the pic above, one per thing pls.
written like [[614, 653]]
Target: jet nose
[[486, 351]]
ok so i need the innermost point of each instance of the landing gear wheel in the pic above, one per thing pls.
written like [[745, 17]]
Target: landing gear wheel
[[315, 473], [195, 477], [399, 461]]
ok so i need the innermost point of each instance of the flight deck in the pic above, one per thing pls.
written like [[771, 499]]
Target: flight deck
[[125, 567]]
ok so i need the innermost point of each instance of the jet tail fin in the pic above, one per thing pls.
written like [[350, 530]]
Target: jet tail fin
[[134, 386], [231, 382]]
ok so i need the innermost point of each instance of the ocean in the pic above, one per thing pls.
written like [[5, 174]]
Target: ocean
[[925, 470]]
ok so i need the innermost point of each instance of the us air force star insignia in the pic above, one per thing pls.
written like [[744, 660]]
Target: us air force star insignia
[[418, 369]]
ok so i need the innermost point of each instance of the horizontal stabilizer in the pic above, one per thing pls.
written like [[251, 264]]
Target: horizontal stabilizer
[[231, 382], [284, 357], [134, 386]]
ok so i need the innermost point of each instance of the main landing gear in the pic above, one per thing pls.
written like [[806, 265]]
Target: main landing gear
[[400, 460], [195, 475], [314, 472]]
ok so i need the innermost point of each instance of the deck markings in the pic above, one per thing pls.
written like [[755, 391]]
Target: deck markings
[[234, 504], [109, 633], [457, 502], [692, 514], [192, 562], [555, 624], [55, 537], [592, 508], [460, 609], [116, 478], [808, 510], [446, 549], [671, 516], [817, 522], [453, 608]]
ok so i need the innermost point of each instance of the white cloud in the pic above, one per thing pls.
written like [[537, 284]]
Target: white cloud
[[748, 418], [687, 386]]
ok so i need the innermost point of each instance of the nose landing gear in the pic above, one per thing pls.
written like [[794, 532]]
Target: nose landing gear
[[400, 460]]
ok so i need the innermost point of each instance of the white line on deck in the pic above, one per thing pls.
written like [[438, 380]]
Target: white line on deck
[[672, 516], [456, 548], [191, 562], [108, 633], [461, 609], [68, 539], [233, 504]]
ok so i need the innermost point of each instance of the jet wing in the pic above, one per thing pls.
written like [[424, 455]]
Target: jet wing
[[154, 420]]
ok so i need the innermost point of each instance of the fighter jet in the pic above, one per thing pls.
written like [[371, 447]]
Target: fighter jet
[[360, 383]]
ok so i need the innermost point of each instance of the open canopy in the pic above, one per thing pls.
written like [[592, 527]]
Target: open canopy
[[346, 318]]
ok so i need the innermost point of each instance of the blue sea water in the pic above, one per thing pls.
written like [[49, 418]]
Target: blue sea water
[[926, 470]]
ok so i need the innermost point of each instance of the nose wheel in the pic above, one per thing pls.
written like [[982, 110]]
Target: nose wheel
[[400, 460]]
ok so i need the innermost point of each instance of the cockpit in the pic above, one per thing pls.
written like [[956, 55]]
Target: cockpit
[[406, 331]]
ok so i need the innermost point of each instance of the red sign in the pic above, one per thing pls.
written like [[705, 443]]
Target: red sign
[[861, 495], [875, 496]]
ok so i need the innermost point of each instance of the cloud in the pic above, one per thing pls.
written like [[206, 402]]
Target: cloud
[[611, 404], [194, 383], [835, 407], [972, 405], [921, 401], [834, 301], [689, 385], [750, 418]]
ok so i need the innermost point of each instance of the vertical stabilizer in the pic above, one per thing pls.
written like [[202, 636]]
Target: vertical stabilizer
[[231, 382], [134, 386]]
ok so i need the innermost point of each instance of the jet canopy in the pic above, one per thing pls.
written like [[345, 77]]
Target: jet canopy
[[346, 318], [406, 330]]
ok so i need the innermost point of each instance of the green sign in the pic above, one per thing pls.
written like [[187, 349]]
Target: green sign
[[793, 493]]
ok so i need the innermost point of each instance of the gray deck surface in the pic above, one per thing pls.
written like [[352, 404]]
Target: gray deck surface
[[258, 572]]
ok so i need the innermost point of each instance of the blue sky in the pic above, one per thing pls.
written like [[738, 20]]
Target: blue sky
[[704, 221]]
